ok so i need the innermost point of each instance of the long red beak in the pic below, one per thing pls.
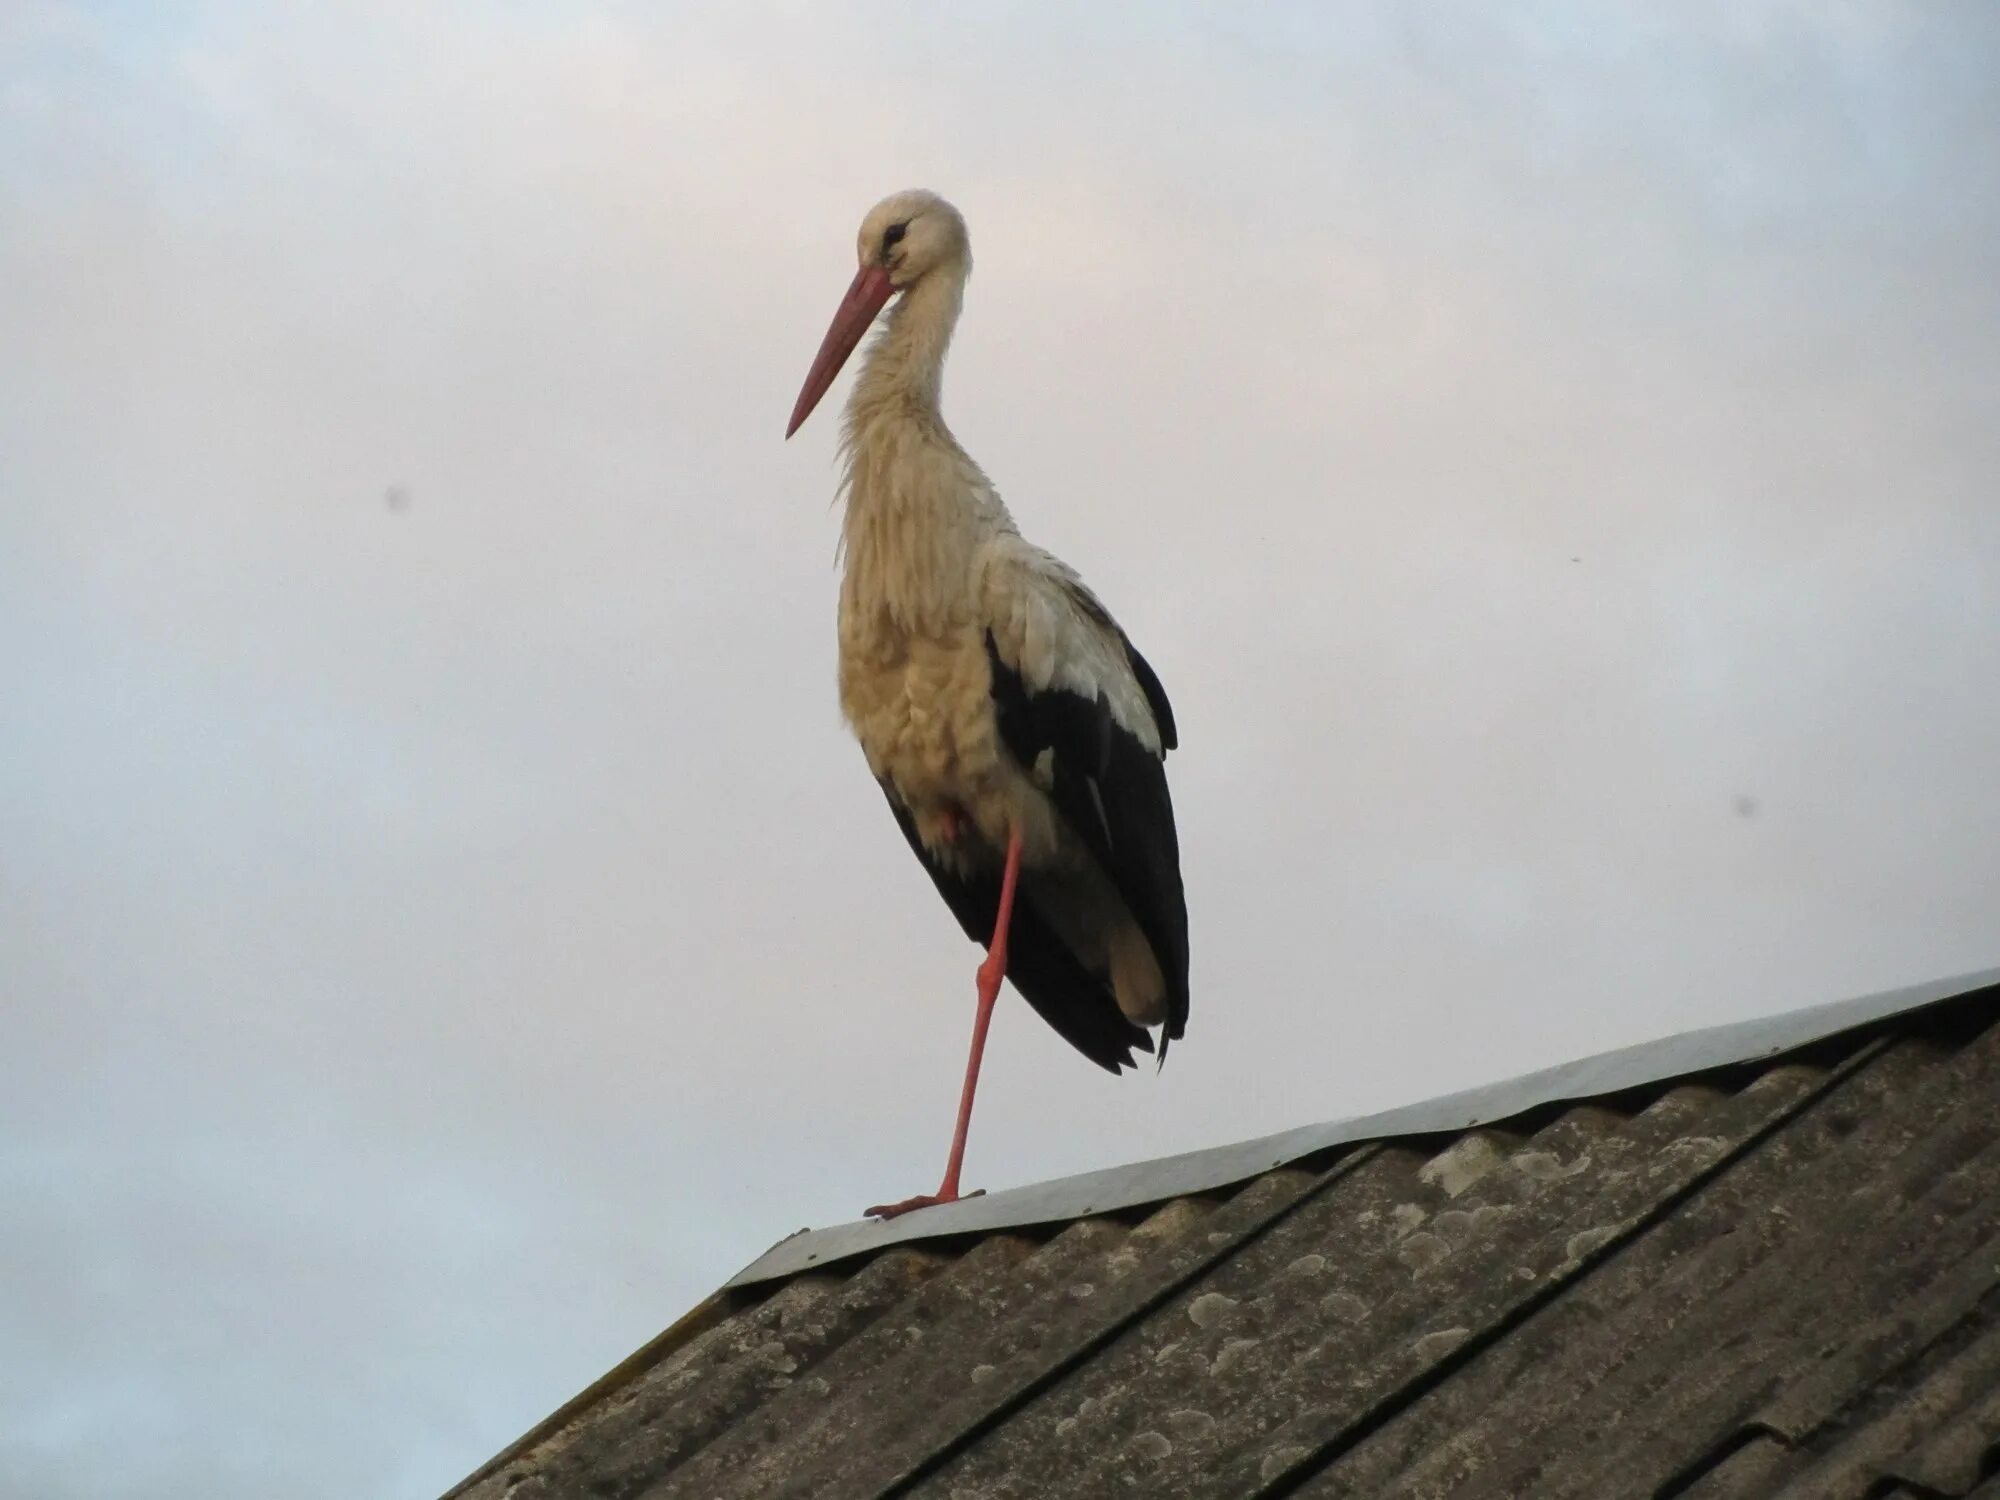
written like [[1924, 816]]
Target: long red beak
[[865, 296]]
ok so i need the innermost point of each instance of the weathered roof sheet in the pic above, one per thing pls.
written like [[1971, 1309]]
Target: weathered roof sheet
[[1770, 1277]]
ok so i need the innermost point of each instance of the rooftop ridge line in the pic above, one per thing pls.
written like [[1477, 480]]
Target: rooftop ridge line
[[1109, 1189]]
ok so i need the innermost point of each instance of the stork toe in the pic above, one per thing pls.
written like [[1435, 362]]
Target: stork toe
[[911, 1205]]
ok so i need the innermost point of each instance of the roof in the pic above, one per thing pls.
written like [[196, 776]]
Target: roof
[[1768, 1266]]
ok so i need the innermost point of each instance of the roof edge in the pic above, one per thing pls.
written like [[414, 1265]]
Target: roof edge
[[695, 1321], [1145, 1182]]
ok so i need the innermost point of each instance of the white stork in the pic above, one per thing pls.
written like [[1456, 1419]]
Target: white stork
[[1017, 733]]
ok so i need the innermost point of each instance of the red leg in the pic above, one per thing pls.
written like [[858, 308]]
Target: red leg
[[991, 972]]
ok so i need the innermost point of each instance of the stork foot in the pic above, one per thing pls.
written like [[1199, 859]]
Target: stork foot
[[922, 1200]]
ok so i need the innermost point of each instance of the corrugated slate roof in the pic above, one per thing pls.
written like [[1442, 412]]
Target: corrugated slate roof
[[1777, 1277]]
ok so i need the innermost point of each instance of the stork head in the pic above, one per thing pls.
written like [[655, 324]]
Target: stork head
[[905, 238]]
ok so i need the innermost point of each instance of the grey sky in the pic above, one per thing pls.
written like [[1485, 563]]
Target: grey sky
[[1550, 457]]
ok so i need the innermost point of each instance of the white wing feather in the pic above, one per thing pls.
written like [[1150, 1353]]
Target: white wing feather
[[1054, 631]]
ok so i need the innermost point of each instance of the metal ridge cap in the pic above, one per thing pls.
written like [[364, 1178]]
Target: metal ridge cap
[[1213, 1167]]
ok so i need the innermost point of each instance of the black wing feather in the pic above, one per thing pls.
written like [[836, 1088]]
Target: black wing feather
[[1149, 680], [1112, 790], [1156, 695], [1074, 1001]]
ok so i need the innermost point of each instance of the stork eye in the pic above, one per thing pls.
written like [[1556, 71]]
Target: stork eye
[[893, 234]]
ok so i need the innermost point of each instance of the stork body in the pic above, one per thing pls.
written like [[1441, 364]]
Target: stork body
[[1016, 733]]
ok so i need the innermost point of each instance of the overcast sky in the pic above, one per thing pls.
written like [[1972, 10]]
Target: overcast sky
[[1550, 454]]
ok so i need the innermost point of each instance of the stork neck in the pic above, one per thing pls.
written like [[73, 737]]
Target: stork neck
[[917, 505], [905, 366]]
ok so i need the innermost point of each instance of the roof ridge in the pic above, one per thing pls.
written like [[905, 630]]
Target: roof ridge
[[1137, 1183]]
